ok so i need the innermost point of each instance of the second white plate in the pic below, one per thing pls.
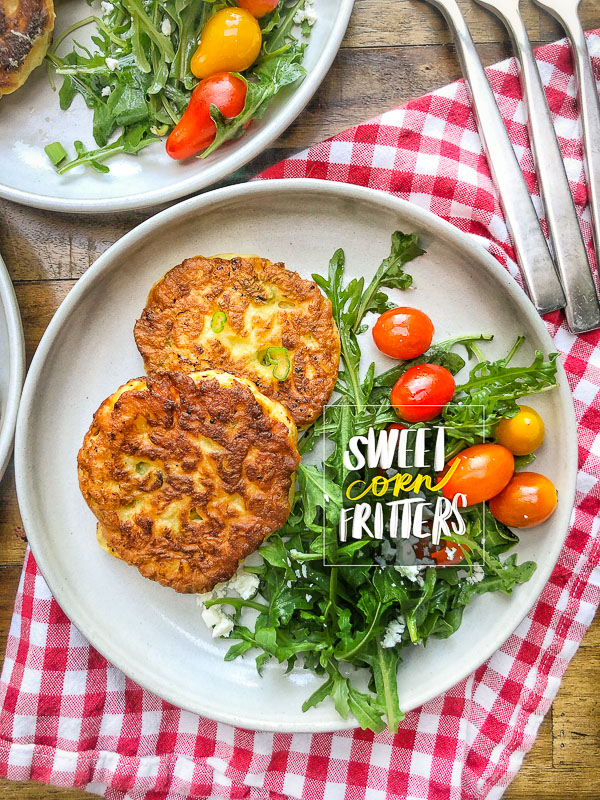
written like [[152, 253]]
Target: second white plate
[[31, 118], [157, 636]]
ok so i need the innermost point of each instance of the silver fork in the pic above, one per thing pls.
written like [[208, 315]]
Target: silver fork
[[583, 307], [565, 12], [529, 241]]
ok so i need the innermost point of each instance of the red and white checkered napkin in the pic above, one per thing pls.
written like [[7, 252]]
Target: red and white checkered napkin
[[70, 718]]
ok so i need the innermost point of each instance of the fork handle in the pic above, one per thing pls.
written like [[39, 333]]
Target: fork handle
[[583, 307], [589, 106], [529, 241]]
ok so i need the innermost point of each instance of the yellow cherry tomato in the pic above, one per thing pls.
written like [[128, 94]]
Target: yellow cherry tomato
[[230, 42], [521, 434]]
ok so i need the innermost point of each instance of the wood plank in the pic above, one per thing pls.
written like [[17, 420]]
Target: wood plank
[[410, 22], [38, 791], [592, 637], [12, 533], [38, 301], [9, 580], [576, 715]]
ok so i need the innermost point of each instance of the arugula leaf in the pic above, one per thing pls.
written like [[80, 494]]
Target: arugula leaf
[[405, 247], [385, 668], [131, 141]]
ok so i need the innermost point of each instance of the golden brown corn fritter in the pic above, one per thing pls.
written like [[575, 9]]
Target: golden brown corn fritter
[[188, 474], [251, 318]]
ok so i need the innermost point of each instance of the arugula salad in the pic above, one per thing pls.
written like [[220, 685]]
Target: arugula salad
[[342, 608], [196, 72]]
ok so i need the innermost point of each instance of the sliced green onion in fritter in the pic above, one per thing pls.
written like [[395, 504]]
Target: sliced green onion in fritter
[[280, 358], [218, 320], [55, 152]]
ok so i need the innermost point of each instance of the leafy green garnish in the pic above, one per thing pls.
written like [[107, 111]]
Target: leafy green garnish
[[139, 72]]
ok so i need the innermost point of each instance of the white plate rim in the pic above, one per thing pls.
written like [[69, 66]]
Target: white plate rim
[[244, 151], [101, 639], [16, 366]]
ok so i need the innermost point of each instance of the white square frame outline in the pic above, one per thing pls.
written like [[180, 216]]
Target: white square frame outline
[[435, 566]]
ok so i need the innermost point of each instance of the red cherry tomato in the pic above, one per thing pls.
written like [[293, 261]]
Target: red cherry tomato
[[403, 332], [258, 8], [442, 557], [196, 130], [422, 392], [483, 471], [528, 500]]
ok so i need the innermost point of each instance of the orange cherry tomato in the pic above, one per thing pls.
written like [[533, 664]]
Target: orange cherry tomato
[[230, 42], [422, 392], [196, 129], [528, 500], [523, 433], [483, 471], [403, 332], [258, 8], [442, 557]]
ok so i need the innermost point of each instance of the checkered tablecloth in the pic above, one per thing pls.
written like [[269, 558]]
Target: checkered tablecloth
[[70, 718]]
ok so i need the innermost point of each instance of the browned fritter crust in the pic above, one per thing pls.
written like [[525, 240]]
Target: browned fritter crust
[[25, 33], [187, 475], [266, 305]]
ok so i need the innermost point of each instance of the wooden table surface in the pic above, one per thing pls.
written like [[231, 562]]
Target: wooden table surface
[[393, 51]]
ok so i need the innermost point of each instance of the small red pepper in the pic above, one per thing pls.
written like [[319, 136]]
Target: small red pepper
[[196, 129]]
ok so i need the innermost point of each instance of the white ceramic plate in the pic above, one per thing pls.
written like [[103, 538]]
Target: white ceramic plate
[[12, 364], [31, 118], [156, 636]]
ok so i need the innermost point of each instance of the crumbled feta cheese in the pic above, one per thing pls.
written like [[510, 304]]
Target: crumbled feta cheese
[[310, 15], [112, 64], [303, 570], [106, 7], [289, 584], [308, 598], [477, 575], [306, 14], [393, 632], [245, 584], [106, 90], [450, 552], [412, 573], [166, 26], [294, 552], [326, 498], [215, 618]]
